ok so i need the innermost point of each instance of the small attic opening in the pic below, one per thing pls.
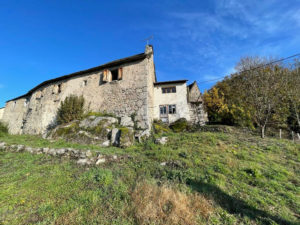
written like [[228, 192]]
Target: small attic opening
[[59, 88], [114, 74]]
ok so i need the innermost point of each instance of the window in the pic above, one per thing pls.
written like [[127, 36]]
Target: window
[[163, 110], [167, 109], [111, 75], [114, 74], [169, 90], [117, 74], [59, 88], [172, 109], [85, 83]]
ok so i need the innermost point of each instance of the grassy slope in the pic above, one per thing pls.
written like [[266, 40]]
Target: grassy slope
[[249, 180]]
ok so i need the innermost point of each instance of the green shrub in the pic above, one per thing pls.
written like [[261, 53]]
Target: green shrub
[[3, 128], [70, 109], [179, 125], [159, 127]]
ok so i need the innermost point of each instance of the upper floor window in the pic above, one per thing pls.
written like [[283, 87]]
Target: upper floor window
[[169, 90], [115, 74], [84, 83], [111, 75], [59, 88]]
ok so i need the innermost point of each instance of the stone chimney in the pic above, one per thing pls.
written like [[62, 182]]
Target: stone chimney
[[149, 49]]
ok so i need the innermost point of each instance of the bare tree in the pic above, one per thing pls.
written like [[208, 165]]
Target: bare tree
[[259, 88]]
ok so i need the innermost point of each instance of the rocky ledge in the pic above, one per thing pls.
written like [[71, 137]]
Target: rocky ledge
[[82, 157], [103, 131]]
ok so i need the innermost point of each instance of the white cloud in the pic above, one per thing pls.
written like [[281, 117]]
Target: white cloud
[[218, 38]]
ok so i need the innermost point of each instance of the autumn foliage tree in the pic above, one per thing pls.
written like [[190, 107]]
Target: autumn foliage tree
[[259, 95]]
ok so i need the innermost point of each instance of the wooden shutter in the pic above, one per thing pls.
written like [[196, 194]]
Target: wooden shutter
[[120, 74], [105, 75]]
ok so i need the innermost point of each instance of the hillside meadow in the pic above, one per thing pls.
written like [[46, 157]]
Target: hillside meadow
[[196, 178]]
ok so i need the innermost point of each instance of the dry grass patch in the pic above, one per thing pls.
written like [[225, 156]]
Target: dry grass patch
[[164, 205]]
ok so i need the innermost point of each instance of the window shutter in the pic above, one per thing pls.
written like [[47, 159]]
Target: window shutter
[[105, 76], [120, 74]]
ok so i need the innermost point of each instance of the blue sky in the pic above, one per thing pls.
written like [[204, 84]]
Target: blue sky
[[197, 40]]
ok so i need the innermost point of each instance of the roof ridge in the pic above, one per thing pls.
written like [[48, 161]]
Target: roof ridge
[[117, 62]]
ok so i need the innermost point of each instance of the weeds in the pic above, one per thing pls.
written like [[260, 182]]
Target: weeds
[[155, 204]]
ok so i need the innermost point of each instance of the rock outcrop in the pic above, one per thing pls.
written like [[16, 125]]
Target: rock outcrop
[[100, 130]]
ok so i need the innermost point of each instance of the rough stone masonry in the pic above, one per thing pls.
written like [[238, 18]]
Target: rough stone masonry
[[123, 87]]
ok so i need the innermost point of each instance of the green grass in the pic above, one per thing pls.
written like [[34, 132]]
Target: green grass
[[248, 179]]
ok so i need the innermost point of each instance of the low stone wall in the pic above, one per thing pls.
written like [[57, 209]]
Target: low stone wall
[[82, 157]]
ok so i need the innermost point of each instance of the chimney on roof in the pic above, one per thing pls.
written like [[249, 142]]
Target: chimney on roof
[[149, 49]]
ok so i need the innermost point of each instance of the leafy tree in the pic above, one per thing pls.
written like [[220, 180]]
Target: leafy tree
[[291, 84], [214, 102], [260, 94], [72, 108]]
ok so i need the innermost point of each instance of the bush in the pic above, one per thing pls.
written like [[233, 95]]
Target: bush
[[70, 109], [3, 128], [159, 127], [179, 125]]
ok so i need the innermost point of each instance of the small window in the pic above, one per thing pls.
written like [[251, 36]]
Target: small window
[[85, 82], [26, 102], [59, 88], [169, 90], [172, 109], [114, 74]]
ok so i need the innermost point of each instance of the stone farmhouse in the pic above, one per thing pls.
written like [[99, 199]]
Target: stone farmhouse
[[123, 87]]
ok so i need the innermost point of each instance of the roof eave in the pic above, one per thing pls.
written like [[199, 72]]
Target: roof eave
[[170, 82]]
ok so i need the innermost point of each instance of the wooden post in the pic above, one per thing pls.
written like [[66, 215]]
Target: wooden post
[[280, 133]]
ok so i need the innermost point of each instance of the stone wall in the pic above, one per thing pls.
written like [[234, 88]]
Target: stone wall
[[36, 113], [179, 99], [82, 157], [197, 113], [194, 94], [1, 112]]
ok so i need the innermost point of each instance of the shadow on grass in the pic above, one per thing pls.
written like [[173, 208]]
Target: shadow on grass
[[235, 206]]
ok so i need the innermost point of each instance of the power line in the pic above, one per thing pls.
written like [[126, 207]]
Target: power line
[[258, 67]]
